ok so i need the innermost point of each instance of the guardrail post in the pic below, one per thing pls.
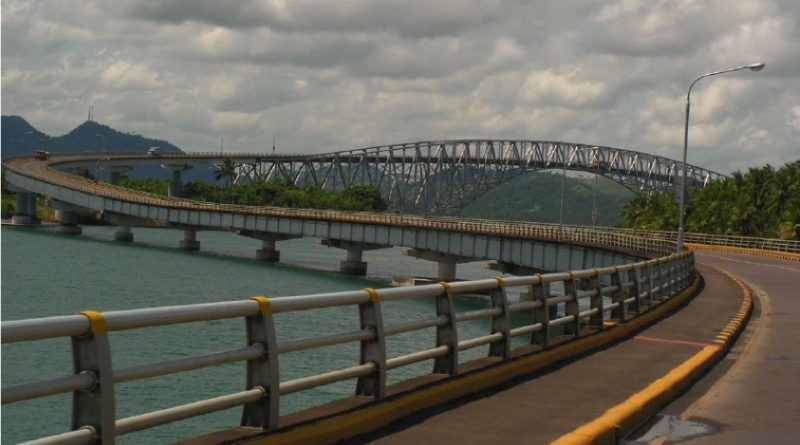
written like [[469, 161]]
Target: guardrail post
[[659, 284], [94, 407], [501, 322], [674, 286], [263, 371], [572, 307], [647, 279], [635, 291], [618, 296], [596, 301], [447, 334], [542, 314], [374, 349]]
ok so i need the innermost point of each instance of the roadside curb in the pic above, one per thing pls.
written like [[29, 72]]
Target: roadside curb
[[788, 256], [622, 419]]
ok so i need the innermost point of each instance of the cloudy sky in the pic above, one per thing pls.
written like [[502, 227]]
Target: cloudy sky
[[330, 75]]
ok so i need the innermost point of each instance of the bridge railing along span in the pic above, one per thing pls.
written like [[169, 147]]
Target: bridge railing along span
[[589, 298], [605, 238]]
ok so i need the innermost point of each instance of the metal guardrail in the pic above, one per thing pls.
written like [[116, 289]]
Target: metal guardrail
[[589, 298]]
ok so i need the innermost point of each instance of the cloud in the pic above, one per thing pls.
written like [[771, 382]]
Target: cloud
[[545, 88], [403, 17], [124, 75], [331, 75]]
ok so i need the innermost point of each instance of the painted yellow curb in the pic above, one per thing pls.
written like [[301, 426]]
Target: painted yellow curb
[[380, 414], [789, 256], [622, 419]]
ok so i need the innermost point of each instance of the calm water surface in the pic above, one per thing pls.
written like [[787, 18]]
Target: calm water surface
[[45, 274]]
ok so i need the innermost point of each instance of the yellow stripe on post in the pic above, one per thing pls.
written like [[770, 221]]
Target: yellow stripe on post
[[446, 287], [501, 282], [97, 322], [264, 304], [373, 294]]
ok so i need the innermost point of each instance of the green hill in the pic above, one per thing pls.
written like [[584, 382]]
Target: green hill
[[536, 196]]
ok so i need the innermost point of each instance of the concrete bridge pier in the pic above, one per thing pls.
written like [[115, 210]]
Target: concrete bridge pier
[[26, 209], [189, 241], [268, 252], [68, 222], [123, 234], [67, 214], [25, 213], [175, 184], [115, 172], [446, 263], [124, 224], [353, 264]]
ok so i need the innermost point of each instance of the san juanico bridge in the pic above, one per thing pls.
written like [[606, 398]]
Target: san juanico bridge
[[414, 373]]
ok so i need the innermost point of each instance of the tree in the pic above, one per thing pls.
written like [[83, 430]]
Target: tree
[[226, 170]]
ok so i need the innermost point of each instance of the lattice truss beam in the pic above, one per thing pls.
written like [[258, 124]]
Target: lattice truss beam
[[435, 175]]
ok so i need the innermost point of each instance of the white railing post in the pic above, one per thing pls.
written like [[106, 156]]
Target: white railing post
[[94, 407], [501, 322], [372, 350], [263, 371], [596, 301], [446, 334], [542, 314], [572, 307], [618, 296]]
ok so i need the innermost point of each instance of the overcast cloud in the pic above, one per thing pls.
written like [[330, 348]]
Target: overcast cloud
[[331, 75]]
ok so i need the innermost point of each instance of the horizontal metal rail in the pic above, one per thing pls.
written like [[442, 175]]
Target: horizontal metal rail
[[631, 289]]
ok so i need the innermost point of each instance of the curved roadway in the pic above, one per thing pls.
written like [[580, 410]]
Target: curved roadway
[[756, 398]]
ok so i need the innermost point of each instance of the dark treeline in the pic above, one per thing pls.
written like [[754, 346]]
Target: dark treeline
[[277, 194], [763, 202]]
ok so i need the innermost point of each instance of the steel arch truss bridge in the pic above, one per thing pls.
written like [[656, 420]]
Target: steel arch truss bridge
[[435, 175]]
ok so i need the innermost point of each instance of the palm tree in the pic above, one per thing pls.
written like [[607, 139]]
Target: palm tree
[[226, 170]]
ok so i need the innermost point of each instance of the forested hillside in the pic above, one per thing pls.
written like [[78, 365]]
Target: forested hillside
[[536, 197]]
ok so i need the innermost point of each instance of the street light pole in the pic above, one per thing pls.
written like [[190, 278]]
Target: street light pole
[[752, 67]]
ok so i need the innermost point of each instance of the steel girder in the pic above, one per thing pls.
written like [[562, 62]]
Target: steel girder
[[432, 176]]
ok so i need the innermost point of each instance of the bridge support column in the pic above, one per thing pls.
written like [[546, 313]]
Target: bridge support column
[[189, 241], [268, 252], [67, 214], [123, 234], [26, 209], [446, 271], [353, 264], [69, 223], [115, 172], [446, 263], [175, 184]]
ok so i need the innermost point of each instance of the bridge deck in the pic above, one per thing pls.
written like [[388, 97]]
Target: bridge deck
[[755, 398], [541, 409]]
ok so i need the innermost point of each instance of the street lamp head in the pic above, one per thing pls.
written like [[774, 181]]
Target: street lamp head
[[756, 66]]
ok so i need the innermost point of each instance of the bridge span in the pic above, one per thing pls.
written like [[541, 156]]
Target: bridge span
[[446, 241], [598, 306]]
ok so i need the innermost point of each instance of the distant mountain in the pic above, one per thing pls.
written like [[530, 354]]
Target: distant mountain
[[20, 137]]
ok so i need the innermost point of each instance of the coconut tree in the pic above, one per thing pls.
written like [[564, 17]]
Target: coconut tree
[[226, 170]]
